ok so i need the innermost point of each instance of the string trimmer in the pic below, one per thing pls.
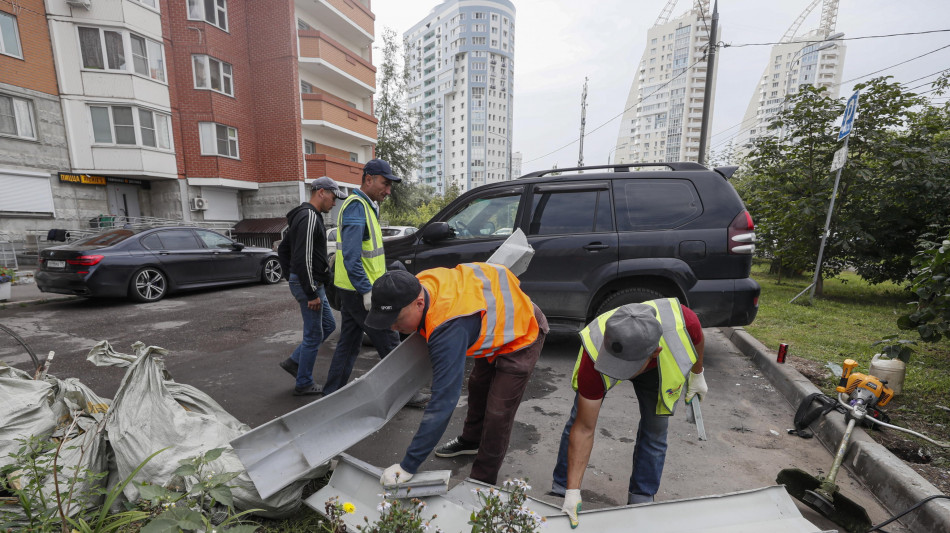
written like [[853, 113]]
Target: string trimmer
[[858, 393]]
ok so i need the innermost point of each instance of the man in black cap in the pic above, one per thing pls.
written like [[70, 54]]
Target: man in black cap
[[360, 261], [473, 310], [303, 255], [658, 346]]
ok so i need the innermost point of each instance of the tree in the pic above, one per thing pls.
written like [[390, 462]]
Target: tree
[[397, 140], [892, 188]]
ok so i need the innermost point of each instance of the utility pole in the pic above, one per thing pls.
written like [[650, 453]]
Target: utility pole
[[580, 155], [710, 69]]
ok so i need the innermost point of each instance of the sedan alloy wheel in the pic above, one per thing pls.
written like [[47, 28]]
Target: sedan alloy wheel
[[272, 271], [148, 285]]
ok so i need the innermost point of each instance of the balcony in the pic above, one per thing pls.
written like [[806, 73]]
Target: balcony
[[341, 170], [351, 19], [337, 120], [328, 59]]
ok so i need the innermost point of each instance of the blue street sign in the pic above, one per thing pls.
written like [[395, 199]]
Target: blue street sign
[[848, 122]]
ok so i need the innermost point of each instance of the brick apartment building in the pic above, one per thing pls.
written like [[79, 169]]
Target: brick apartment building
[[198, 110]]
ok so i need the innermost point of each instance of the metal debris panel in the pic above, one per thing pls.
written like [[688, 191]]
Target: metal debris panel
[[768, 509], [290, 447]]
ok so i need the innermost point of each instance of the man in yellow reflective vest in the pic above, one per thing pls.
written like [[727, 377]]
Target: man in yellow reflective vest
[[358, 263], [658, 346], [476, 310]]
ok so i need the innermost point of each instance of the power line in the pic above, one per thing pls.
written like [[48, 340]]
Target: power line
[[611, 119], [725, 45]]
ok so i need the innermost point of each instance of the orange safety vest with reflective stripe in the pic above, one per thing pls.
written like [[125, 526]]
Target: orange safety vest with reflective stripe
[[508, 322]]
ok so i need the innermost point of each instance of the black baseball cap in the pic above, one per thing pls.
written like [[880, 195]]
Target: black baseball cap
[[391, 292], [380, 167]]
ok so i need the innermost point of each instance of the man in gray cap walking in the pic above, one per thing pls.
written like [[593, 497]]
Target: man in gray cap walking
[[303, 257], [658, 346]]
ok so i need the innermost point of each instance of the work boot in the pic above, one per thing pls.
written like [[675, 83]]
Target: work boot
[[456, 447], [312, 390], [420, 400], [290, 366]]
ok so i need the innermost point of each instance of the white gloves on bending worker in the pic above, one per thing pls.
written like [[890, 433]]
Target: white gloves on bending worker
[[367, 300], [572, 505], [393, 475], [696, 386]]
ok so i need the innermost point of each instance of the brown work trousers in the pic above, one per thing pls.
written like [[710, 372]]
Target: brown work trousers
[[494, 394]]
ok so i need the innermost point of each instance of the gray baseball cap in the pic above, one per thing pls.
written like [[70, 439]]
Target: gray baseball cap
[[631, 335], [325, 182]]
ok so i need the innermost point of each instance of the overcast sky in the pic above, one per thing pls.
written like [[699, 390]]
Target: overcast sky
[[559, 42]]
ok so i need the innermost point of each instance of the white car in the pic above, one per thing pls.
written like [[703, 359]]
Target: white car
[[389, 232]]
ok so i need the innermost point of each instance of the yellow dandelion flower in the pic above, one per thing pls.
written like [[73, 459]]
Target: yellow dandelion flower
[[349, 508]]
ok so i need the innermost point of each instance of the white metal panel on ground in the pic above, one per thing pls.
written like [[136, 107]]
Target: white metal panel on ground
[[768, 509], [288, 448]]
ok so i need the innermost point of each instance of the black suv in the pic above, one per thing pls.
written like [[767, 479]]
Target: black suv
[[605, 236]]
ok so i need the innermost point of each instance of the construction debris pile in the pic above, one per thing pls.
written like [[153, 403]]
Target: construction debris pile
[[150, 412]]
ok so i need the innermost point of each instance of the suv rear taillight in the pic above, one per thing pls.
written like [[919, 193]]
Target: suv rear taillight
[[742, 234], [85, 260]]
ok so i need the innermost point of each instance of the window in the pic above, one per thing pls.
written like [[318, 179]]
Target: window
[[214, 240], [218, 139], [213, 74], [656, 204], [150, 3], [130, 126], [148, 57], [214, 12], [180, 239], [303, 25], [305, 87], [9, 36], [309, 147], [484, 217], [16, 117]]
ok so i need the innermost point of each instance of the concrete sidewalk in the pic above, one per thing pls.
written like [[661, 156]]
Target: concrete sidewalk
[[889, 479]]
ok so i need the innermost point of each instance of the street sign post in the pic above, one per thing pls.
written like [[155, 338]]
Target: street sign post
[[848, 121], [841, 157]]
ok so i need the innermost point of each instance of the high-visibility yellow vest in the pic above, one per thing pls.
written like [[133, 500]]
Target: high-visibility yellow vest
[[371, 252], [508, 321], [674, 362]]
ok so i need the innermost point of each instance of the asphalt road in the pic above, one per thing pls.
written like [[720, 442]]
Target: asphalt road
[[228, 342]]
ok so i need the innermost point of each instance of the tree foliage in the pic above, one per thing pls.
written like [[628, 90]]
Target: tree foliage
[[894, 185], [419, 204], [397, 140]]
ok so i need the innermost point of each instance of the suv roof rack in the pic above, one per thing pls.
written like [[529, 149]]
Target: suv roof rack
[[623, 167]]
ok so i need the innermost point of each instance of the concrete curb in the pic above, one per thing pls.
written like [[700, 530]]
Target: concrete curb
[[893, 483], [25, 303]]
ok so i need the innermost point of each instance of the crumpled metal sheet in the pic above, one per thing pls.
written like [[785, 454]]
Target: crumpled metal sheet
[[515, 253], [291, 447], [768, 509]]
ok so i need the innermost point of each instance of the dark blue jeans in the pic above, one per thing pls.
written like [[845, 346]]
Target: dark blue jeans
[[317, 326], [649, 454], [353, 316]]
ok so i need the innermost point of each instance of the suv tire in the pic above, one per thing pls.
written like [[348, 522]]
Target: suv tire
[[634, 295]]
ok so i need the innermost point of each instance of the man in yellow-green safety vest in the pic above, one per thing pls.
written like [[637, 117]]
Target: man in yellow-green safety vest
[[359, 262], [658, 346]]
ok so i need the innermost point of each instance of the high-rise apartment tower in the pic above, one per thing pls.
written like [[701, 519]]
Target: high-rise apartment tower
[[663, 116], [461, 67]]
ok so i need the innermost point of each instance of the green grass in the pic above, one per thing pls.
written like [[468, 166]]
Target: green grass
[[842, 324]]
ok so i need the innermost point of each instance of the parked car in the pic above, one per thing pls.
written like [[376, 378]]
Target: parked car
[[146, 264], [609, 236], [389, 232]]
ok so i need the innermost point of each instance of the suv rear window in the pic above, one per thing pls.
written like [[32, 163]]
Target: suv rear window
[[570, 211], [645, 204]]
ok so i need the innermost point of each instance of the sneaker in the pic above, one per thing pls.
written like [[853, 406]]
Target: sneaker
[[456, 447], [290, 366], [312, 390], [420, 400]]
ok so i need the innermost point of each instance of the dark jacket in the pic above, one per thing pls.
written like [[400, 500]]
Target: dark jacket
[[303, 251]]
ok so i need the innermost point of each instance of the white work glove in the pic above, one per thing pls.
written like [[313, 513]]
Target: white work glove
[[394, 475], [572, 505], [696, 386], [367, 300]]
